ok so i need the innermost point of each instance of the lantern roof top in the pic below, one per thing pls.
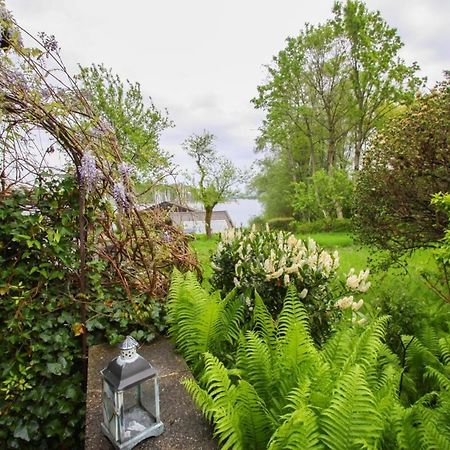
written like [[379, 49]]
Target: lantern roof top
[[129, 343], [125, 371]]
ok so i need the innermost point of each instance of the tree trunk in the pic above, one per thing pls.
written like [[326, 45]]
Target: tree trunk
[[331, 155], [339, 213], [208, 215], [358, 147]]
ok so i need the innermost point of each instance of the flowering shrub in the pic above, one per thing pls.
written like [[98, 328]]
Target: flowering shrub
[[268, 262]]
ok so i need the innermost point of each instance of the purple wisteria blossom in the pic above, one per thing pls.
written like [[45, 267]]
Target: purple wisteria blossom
[[120, 195], [125, 171], [49, 42], [89, 174]]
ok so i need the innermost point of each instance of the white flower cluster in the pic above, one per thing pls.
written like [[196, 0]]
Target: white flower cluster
[[358, 282], [289, 259], [348, 302], [293, 258]]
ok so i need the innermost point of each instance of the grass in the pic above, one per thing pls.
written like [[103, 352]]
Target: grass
[[393, 284]]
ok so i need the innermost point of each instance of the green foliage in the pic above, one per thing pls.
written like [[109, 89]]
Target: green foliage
[[278, 391], [405, 165], [294, 394], [217, 177], [220, 322], [136, 125], [41, 385], [439, 280], [268, 262], [323, 226], [41, 380], [323, 196], [325, 94], [281, 223]]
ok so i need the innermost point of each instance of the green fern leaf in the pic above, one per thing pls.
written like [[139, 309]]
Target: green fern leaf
[[346, 421], [299, 431]]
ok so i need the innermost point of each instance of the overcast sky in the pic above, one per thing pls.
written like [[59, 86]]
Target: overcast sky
[[203, 59]]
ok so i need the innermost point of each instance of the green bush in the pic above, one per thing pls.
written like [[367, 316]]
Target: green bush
[[282, 223], [268, 262], [321, 226], [41, 379]]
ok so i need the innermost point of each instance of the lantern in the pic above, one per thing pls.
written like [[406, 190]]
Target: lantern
[[130, 398]]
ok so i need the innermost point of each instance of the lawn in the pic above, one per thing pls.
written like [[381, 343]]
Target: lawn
[[395, 285]]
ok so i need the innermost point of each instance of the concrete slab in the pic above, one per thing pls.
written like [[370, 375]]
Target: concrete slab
[[185, 427]]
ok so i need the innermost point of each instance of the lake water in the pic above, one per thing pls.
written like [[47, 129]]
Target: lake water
[[240, 211]]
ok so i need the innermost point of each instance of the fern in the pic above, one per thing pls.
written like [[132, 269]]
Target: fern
[[201, 322], [271, 387], [346, 422], [299, 431]]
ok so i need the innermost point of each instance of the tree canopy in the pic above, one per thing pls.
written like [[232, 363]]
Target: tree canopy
[[217, 178], [407, 162], [137, 124], [326, 93]]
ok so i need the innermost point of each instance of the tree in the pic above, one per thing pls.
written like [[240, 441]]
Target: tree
[[217, 176], [407, 162], [136, 125], [329, 89], [379, 78]]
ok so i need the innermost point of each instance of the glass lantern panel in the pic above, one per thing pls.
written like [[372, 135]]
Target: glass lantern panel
[[149, 397], [109, 415], [136, 418], [130, 398]]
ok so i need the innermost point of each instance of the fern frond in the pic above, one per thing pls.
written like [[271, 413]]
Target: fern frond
[[293, 312], [258, 365], [299, 431], [368, 346], [215, 378], [263, 322], [444, 347], [201, 398], [255, 421], [346, 422], [231, 319], [441, 379], [429, 337], [337, 349], [404, 428]]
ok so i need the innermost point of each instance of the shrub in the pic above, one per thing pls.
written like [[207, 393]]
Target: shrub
[[282, 223], [268, 262], [406, 163], [41, 378], [321, 226], [323, 196]]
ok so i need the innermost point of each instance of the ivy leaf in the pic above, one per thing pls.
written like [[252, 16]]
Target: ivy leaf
[[21, 432], [54, 368]]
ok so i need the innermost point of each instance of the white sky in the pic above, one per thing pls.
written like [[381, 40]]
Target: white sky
[[203, 59]]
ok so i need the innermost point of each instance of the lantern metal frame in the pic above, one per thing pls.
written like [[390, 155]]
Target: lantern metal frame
[[125, 377]]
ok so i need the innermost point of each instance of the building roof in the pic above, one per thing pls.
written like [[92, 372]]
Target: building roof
[[170, 206], [199, 216]]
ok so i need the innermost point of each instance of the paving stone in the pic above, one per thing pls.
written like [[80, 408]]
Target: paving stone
[[185, 427]]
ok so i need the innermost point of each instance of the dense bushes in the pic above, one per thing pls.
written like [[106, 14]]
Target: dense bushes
[[269, 386], [321, 226], [407, 163], [41, 379], [268, 262]]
